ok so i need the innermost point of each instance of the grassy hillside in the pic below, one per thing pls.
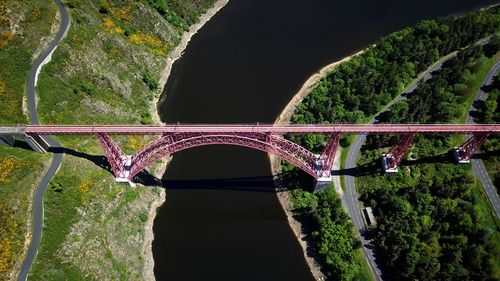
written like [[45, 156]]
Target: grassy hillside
[[105, 71], [111, 60], [25, 29]]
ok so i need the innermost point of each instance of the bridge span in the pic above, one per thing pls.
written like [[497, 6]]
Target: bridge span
[[271, 129], [267, 138]]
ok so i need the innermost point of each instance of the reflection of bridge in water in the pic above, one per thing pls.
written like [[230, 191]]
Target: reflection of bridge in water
[[267, 138]]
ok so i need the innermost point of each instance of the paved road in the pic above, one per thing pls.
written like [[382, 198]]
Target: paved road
[[350, 197], [56, 161], [477, 164]]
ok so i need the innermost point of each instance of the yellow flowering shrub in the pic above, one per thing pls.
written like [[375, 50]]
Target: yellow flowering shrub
[[5, 38], [134, 143], [123, 13], [8, 166], [111, 27], [11, 104], [8, 231], [156, 45]]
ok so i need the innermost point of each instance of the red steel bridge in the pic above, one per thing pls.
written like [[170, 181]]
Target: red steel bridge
[[267, 138]]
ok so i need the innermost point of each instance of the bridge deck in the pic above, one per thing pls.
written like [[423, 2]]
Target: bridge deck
[[11, 130], [288, 129]]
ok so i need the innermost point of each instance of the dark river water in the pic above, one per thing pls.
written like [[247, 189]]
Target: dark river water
[[244, 66]]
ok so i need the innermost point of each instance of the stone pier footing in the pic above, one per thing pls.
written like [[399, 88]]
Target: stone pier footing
[[7, 140], [322, 183]]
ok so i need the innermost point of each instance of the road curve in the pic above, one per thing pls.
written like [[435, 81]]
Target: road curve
[[477, 164], [350, 197], [37, 223]]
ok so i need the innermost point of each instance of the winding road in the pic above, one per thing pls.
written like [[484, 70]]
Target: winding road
[[350, 197], [37, 222], [477, 164]]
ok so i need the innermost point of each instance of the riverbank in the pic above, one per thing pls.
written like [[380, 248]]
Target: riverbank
[[307, 87], [284, 197], [93, 210], [148, 271], [177, 54]]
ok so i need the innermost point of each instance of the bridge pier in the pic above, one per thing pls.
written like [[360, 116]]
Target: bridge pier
[[391, 160], [7, 140], [464, 153], [322, 183], [123, 176]]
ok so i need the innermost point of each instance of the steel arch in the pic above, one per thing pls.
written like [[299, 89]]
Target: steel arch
[[172, 143]]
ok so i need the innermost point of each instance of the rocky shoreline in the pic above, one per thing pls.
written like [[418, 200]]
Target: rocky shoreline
[[283, 118], [147, 249], [148, 271], [177, 53], [283, 197]]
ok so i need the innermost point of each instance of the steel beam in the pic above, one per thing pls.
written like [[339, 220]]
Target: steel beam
[[327, 157], [392, 159], [173, 143], [271, 129], [114, 154], [465, 152]]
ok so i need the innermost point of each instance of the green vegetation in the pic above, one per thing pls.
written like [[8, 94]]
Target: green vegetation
[[433, 221], [24, 29], [105, 71], [489, 113], [181, 14], [19, 171], [89, 219], [24, 26], [362, 86], [331, 231]]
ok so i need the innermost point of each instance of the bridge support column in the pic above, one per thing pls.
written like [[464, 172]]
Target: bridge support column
[[391, 160], [120, 163], [325, 160], [464, 153], [324, 164], [36, 142], [322, 183], [124, 175], [7, 140]]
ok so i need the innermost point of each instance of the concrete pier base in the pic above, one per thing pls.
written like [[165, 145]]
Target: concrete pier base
[[123, 177], [384, 159], [456, 156], [7, 140], [322, 183]]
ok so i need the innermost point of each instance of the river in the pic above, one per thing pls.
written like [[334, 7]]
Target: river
[[244, 66]]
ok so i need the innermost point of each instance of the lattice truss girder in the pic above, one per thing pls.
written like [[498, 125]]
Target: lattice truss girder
[[397, 152], [169, 144], [113, 153], [327, 157], [466, 150]]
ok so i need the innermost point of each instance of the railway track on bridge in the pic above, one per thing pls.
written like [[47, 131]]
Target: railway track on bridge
[[270, 129]]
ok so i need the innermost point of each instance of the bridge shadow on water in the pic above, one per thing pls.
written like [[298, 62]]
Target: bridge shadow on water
[[273, 184]]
